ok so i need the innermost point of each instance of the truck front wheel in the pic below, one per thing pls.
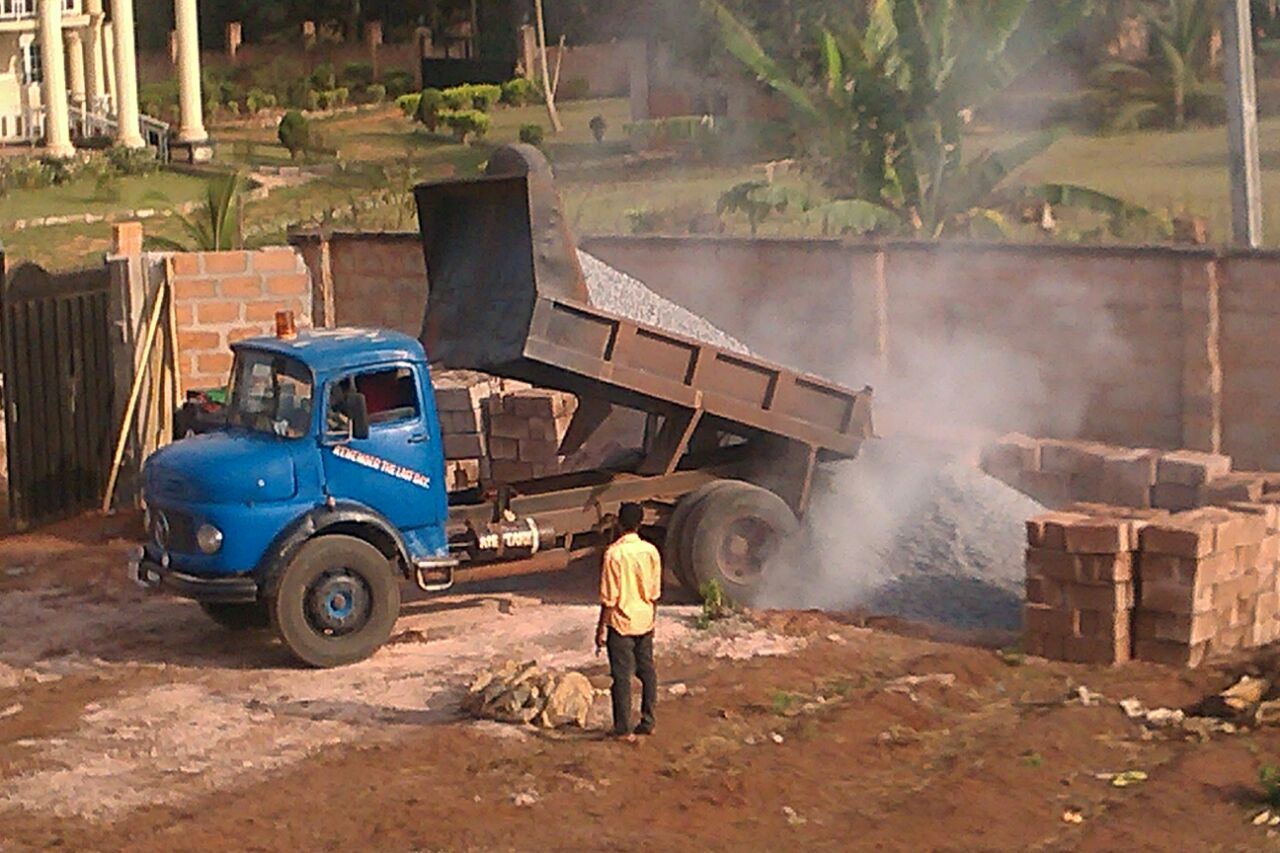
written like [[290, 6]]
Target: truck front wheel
[[336, 602], [734, 534]]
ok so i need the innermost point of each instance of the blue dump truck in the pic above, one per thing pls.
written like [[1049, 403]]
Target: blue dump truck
[[322, 487]]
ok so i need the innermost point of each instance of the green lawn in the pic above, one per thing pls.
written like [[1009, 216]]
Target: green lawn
[[161, 190], [605, 187]]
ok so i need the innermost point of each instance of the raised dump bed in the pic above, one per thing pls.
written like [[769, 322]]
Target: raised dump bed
[[507, 297]]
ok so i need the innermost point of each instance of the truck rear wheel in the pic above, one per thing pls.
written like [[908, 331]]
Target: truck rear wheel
[[674, 554], [732, 535], [239, 616], [336, 602]]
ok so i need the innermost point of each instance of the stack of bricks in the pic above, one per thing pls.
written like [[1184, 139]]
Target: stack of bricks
[[1080, 587], [524, 431], [1058, 473], [1208, 585], [1109, 584]]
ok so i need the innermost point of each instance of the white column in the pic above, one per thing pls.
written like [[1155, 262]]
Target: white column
[[95, 68], [109, 60], [75, 66], [130, 133], [57, 127], [190, 103]]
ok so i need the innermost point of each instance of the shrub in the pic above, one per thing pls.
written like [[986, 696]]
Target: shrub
[[1269, 778], [485, 96], [130, 161], [409, 104], [323, 77], [458, 98], [467, 125], [315, 101], [356, 75], [398, 83], [375, 93], [518, 92], [294, 133], [598, 127], [430, 106], [339, 97], [574, 90], [532, 134]]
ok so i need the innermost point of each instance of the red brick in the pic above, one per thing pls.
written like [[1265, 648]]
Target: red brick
[[1191, 467], [265, 311], [1170, 654], [1112, 598], [194, 288], [1105, 568], [275, 260], [214, 312], [186, 264], [1175, 496], [289, 285], [214, 363], [241, 333], [241, 286], [1055, 565], [191, 340], [184, 313], [1190, 628], [224, 263], [1100, 536], [1041, 619], [1185, 535], [1173, 598]]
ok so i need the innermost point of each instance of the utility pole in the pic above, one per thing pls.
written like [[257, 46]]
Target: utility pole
[[1242, 124], [549, 92]]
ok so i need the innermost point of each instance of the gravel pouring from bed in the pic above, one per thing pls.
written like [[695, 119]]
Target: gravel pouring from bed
[[620, 294], [910, 530]]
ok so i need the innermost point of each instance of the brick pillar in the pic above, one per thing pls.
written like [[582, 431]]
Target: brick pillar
[[235, 38], [1201, 353], [373, 39]]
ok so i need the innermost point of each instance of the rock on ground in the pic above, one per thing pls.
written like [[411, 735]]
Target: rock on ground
[[527, 693]]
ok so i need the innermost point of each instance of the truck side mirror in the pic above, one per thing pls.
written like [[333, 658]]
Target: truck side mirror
[[357, 407]]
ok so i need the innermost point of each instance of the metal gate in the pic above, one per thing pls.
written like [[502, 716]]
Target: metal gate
[[57, 389]]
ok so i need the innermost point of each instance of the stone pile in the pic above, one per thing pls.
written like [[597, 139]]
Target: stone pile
[[525, 693], [1109, 584], [1057, 473]]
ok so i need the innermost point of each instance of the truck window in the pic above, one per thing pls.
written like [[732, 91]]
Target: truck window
[[270, 394], [391, 395]]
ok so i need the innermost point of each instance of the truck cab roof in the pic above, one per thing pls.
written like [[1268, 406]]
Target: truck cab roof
[[325, 350]]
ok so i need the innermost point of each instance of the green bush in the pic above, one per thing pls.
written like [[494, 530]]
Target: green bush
[[466, 125], [294, 133], [458, 99], [323, 77], [315, 101], [356, 75], [532, 134], [375, 93], [131, 161], [519, 92], [430, 106], [398, 83], [485, 97], [409, 104]]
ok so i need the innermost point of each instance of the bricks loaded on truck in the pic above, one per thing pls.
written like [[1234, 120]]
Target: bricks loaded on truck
[[322, 487]]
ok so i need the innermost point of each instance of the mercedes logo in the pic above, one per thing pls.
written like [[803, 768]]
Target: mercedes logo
[[160, 530]]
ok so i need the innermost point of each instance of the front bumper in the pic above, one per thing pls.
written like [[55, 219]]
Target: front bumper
[[153, 574]]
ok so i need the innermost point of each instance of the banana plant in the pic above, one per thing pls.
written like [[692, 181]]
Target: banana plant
[[1162, 89], [887, 99]]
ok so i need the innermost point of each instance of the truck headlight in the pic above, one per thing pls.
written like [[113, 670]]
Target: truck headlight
[[209, 538]]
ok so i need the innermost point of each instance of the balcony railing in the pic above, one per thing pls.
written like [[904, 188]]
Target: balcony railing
[[22, 10]]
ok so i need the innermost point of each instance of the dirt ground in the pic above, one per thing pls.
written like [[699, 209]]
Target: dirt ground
[[131, 722]]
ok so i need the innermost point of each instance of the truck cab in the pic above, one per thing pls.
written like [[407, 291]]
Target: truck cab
[[324, 486]]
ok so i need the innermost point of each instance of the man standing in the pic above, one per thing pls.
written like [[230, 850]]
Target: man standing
[[630, 584]]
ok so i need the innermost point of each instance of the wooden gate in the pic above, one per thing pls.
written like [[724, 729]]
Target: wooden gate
[[57, 388]]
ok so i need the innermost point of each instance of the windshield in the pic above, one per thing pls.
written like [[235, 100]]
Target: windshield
[[270, 394]]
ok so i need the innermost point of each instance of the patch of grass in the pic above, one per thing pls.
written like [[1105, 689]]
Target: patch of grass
[[1269, 778], [714, 605], [783, 702], [86, 195], [1032, 759]]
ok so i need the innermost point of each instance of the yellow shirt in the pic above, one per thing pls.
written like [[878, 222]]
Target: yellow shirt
[[630, 584]]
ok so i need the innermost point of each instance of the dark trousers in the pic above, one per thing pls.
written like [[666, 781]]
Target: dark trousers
[[632, 656]]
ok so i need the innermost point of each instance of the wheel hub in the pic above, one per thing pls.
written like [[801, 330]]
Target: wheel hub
[[338, 603], [746, 548]]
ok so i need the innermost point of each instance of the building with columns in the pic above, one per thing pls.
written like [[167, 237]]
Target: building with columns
[[67, 72]]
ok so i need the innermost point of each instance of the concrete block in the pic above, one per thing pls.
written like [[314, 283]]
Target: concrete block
[[1011, 454], [1191, 467], [463, 446], [1095, 651], [504, 448], [1053, 564], [1233, 488], [1048, 488], [1106, 625], [1240, 529], [1043, 590], [1170, 653], [1189, 628], [1175, 497], [1189, 535], [507, 471], [1073, 457], [505, 425], [1100, 536], [1042, 619], [1116, 597]]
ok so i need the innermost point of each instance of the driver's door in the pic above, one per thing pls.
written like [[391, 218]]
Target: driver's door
[[391, 470]]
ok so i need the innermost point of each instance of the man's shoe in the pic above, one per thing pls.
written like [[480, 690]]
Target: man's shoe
[[644, 729]]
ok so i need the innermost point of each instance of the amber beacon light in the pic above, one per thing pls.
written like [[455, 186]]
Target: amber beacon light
[[286, 329]]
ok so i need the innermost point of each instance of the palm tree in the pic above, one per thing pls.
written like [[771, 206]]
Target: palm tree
[[1162, 87], [215, 225]]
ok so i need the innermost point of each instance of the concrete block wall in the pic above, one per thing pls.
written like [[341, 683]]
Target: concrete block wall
[[378, 282], [524, 431], [224, 297], [1109, 585]]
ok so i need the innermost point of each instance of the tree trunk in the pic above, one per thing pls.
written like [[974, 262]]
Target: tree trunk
[[552, 115]]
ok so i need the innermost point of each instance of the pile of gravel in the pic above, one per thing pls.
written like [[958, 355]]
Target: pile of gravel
[[910, 530], [619, 293]]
